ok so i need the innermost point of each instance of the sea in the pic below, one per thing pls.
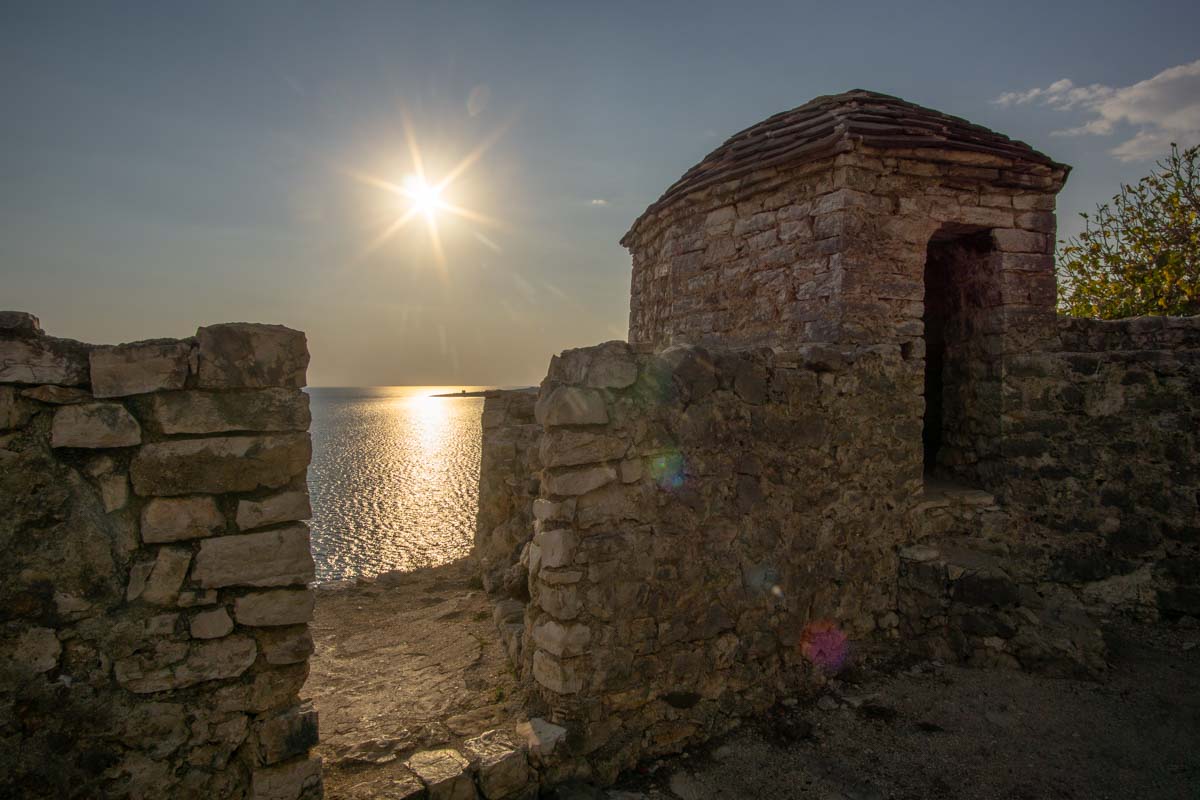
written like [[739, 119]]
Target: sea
[[394, 479]]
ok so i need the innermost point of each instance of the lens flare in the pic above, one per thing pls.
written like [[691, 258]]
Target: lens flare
[[667, 470], [825, 645]]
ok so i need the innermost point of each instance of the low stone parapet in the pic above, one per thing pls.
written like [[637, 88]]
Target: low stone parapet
[[152, 498]]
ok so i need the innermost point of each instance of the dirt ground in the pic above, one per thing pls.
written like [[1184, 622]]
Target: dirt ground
[[413, 661], [976, 734], [408, 662]]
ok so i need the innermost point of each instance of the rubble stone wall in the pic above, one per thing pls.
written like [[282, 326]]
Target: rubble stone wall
[[153, 600], [1102, 442], [698, 510]]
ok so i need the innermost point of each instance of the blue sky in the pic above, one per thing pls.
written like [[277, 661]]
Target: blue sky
[[166, 165]]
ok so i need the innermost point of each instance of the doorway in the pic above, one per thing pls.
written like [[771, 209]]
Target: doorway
[[962, 381]]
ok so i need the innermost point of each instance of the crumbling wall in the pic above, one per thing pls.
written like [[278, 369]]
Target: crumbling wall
[[1101, 443], [699, 511], [153, 607]]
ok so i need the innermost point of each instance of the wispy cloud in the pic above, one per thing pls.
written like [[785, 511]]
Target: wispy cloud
[[598, 201], [1160, 110]]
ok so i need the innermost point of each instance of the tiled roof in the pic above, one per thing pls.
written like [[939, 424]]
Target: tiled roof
[[830, 124]]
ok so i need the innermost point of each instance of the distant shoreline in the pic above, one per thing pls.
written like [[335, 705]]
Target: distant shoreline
[[483, 393]]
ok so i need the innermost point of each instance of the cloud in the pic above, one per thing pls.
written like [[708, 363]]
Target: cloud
[[598, 201], [1160, 110]]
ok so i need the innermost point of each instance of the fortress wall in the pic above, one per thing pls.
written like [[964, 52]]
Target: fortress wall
[[699, 511], [1102, 441], [508, 484], [153, 607]]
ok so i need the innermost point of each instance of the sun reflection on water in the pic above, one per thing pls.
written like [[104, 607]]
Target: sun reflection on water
[[394, 478]]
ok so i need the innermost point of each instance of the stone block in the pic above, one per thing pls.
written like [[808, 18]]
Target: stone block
[[556, 548], [283, 507], [15, 411], [560, 601], [94, 425], [542, 738], [289, 781], [173, 519], [173, 665], [43, 359], [274, 409], [502, 768], [114, 491], [170, 568], [21, 322], [578, 481], [220, 464], [562, 640], [567, 448], [139, 368], [445, 774], [57, 395], [287, 733], [612, 367], [37, 650], [571, 405], [271, 558], [212, 624], [279, 607], [242, 355], [291, 645]]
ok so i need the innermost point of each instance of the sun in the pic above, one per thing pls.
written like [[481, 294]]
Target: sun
[[425, 198]]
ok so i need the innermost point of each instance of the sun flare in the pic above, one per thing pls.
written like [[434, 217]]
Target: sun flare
[[427, 198]]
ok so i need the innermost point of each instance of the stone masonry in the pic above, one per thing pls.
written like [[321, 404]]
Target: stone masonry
[[847, 418], [155, 608]]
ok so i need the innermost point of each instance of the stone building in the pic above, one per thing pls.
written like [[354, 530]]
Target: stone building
[[847, 417]]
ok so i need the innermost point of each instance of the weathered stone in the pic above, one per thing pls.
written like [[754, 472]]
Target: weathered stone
[[556, 548], [57, 395], [211, 624], [560, 601], [502, 768], [272, 558], [274, 409], [114, 491], [279, 607], [295, 780], [571, 405], [283, 507], [565, 447], [43, 359], [139, 367], [220, 464], [444, 773], [242, 355], [287, 733], [94, 425], [542, 738], [215, 660], [562, 640], [173, 665], [14, 411], [20, 322], [578, 481], [174, 519], [285, 645], [612, 368], [170, 568], [37, 650]]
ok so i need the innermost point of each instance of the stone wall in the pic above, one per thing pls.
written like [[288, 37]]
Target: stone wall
[[153, 607], [834, 250], [1101, 443], [699, 511]]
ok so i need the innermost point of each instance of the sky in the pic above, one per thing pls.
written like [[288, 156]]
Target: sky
[[167, 165]]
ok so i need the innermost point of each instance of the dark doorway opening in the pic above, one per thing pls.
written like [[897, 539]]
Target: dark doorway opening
[[961, 384]]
